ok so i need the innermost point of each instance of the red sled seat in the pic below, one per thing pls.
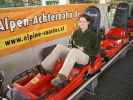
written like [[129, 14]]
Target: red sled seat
[[115, 39]]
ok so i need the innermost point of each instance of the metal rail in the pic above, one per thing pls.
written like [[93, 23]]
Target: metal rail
[[115, 58]]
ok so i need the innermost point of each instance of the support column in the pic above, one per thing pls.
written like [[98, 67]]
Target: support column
[[104, 1], [63, 2], [103, 6], [43, 2]]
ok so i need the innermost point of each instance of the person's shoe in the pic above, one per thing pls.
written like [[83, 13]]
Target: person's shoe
[[59, 81]]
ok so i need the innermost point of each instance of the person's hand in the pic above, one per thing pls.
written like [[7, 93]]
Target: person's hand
[[81, 48]]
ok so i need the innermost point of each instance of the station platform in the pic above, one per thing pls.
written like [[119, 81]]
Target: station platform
[[115, 83]]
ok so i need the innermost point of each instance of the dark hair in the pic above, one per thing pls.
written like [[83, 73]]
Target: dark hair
[[88, 18]]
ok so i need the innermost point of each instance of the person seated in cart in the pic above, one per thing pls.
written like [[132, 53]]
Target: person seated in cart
[[83, 43]]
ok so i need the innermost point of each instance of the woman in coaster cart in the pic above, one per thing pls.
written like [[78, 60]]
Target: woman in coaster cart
[[83, 43]]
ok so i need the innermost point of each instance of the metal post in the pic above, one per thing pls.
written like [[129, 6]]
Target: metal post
[[43, 2], [63, 2]]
